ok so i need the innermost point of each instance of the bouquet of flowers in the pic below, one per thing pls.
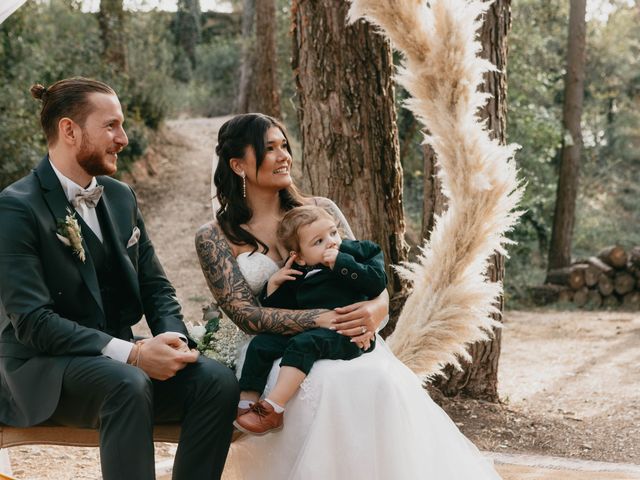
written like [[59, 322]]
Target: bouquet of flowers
[[218, 338]]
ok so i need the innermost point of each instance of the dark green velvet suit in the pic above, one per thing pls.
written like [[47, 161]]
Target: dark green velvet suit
[[51, 308], [53, 329], [357, 275]]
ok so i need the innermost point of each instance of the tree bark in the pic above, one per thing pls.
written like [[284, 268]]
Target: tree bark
[[434, 202], [479, 379], [112, 29], [265, 96], [348, 123], [564, 216], [248, 56]]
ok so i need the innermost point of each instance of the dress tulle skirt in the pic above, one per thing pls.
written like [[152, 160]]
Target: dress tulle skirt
[[367, 418]]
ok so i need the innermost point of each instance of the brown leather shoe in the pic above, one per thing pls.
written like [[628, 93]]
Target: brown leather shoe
[[261, 419], [242, 411]]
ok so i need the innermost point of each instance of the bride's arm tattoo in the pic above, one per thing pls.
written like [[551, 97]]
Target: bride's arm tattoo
[[233, 295], [333, 209]]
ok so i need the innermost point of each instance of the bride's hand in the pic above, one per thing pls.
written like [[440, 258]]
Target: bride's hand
[[360, 320]]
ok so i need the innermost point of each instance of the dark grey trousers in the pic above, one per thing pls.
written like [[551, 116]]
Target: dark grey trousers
[[124, 403]]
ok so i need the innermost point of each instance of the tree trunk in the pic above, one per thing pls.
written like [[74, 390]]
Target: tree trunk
[[479, 379], [264, 96], [111, 21], [187, 28], [564, 216], [434, 202], [248, 56], [348, 123]]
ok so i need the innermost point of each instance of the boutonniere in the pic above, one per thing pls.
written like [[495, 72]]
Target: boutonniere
[[69, 233]]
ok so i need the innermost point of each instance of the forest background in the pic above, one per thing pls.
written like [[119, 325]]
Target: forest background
[[188, 63]]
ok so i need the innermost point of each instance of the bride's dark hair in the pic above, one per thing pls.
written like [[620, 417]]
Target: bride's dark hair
[[234, 137]]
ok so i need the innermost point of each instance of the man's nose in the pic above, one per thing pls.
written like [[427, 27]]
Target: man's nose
[[122, 139]]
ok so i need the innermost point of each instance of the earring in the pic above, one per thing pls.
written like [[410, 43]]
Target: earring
[[244, 186]]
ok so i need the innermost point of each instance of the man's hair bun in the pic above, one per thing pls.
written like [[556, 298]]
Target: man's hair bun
[[38, 91]]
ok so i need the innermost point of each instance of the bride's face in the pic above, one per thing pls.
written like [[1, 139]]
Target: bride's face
[[275, 170]]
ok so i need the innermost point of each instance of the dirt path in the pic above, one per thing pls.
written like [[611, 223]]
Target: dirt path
[[570, 381]]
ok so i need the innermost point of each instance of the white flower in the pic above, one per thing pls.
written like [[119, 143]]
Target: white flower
[[197, 332], [70, 229]]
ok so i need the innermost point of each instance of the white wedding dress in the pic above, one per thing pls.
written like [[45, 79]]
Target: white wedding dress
[[367, 418]]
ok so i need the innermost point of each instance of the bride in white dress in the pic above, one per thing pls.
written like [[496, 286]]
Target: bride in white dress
[[367, 418]]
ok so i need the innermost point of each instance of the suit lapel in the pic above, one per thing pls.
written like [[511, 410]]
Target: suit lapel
[[59, 206], [110, 225]]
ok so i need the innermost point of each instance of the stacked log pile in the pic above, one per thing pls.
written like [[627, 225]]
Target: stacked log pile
[[609, 279]]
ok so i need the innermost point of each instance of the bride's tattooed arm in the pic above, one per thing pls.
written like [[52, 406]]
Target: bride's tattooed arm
[[233, 295]]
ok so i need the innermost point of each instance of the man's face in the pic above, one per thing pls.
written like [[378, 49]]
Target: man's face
[[103, 136]]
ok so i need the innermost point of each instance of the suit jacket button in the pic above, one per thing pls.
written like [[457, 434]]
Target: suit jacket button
[[354, 276], [344, 271]]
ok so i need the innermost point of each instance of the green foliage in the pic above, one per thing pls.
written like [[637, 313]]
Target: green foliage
[[45, 42], [607, 207], [212, 89], [187, 29]]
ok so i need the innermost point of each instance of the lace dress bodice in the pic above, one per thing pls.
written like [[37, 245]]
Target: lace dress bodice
[[256, 268]]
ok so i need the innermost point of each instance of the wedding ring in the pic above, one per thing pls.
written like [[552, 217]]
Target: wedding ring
[[363, 329]]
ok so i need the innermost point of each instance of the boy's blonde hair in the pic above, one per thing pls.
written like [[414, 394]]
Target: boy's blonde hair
[[296, 218]]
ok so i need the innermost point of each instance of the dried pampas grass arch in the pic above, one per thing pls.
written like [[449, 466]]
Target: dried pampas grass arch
[[452, 301]]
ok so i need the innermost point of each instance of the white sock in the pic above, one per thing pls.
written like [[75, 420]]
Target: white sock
[[276, 407], [245, 404]]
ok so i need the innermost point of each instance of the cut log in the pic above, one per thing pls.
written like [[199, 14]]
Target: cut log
[[605, 285], [634, 256], [591, 275], [581, 296], [548, 293], [624, 282], [610, 302], [594, 299], [631, 301], [600, 265], [613, 255], [572, 276], [633, 270], [565, 296]]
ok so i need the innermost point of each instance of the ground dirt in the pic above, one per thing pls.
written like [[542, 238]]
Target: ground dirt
[[569, 381]]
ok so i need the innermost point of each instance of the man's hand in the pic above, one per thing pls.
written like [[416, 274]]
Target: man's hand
[[285, 274], [162, 356]]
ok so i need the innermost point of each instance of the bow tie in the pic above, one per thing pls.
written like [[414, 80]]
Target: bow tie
[[89, 197]]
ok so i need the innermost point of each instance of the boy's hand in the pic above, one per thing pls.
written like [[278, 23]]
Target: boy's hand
[[285, 274], [329, 257]]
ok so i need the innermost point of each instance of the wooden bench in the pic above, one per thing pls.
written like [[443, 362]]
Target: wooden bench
[[49, 434]]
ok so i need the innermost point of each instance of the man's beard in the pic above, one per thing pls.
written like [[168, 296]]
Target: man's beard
[[92, 161]]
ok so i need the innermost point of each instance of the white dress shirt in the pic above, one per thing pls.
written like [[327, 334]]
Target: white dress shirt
[[117, 348]]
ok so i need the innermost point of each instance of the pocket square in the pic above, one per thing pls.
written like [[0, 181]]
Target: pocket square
[[64, 240], [135, 236]]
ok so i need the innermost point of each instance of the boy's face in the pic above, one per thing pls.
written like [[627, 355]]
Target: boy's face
[[315, 239]]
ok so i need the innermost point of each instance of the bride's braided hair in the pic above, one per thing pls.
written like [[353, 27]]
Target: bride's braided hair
[[234, 137]]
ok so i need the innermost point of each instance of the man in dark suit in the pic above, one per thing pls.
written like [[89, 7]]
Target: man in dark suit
[[77, 270]]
